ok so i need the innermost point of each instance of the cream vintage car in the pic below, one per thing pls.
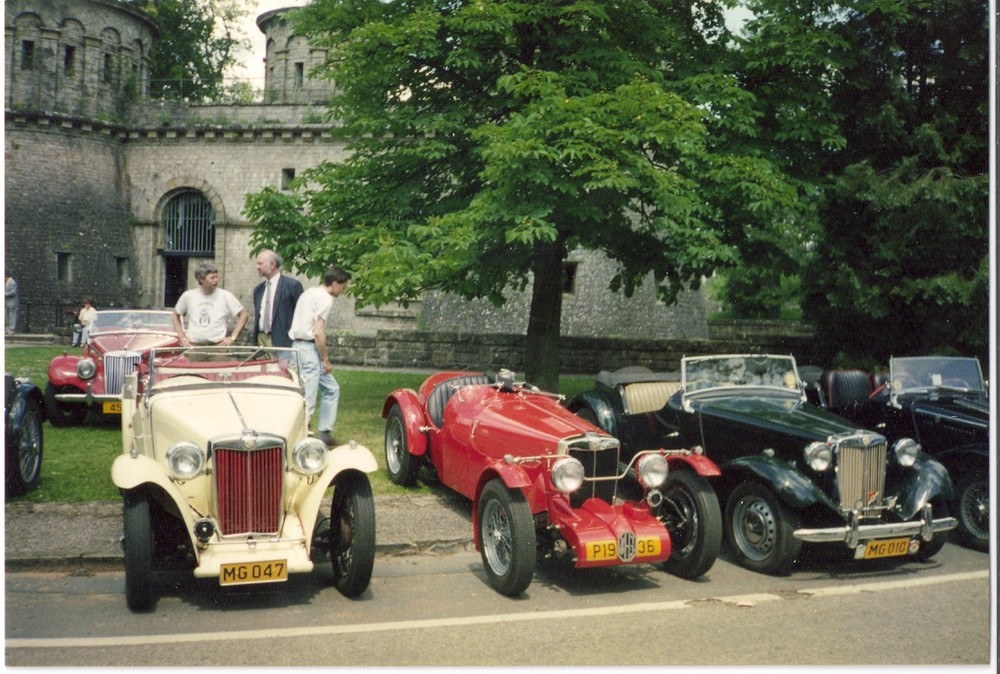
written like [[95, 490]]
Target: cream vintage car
[[219, 474]]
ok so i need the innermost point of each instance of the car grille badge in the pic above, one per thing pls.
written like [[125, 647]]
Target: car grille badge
[[626, 546]]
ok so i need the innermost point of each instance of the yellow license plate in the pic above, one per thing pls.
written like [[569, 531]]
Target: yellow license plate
[[602, 550], [272, 571], [112, 408], [890, 547]]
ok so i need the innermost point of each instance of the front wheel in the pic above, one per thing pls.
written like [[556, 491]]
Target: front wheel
[[506, 538], [401, 465], [691, 513], [352, 533], [973, 510], [24, 453], [759, 530], [60, 414], [139, 593]]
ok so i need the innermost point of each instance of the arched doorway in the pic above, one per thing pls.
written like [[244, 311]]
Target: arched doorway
[[188, 221]]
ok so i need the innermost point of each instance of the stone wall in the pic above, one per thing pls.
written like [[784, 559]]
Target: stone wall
[[578, 355]]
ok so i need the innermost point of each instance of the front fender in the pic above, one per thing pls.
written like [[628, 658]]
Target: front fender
[[131, 472], [513, 476], [790, 485], [62, 372], [413, 418], [342, 458], [699, 463], [924, 481], [601, 408]]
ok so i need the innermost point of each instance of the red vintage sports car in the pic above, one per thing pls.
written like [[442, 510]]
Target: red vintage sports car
[[119, 340], [543, 481]]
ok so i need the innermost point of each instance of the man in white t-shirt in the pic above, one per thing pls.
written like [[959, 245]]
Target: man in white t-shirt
[[207, 310], [308, 335]]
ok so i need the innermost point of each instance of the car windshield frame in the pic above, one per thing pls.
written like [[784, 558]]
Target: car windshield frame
[[175, 367], [924, 374], [111, 321], [741, 374]]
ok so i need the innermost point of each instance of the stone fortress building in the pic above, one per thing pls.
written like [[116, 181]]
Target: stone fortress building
[[113, 195]]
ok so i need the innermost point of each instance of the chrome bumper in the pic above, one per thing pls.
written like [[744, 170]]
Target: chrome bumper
[[88, 398], [854, 532]]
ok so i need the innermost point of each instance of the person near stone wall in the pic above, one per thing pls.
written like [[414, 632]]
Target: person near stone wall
[[308, 335], [85, 316], [274, 302], [208, 310], [11, 303]]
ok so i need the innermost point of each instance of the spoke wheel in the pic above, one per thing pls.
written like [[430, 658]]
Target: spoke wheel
[[759, 530], [139, 592], [973, 508], [352, 533], [24, 454], [506, 538], [401, 465], [691, 513], [60, 414]]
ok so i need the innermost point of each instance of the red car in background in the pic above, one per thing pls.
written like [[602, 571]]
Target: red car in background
[[544, 481], [119, 340]]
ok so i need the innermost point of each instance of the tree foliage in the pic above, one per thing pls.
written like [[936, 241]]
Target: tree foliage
[[199, 40], [487, 138]]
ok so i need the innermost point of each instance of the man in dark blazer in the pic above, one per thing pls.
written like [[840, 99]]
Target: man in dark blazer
[[284, 292]]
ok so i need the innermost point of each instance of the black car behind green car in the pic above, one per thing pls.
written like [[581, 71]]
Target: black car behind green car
[[792, 473]]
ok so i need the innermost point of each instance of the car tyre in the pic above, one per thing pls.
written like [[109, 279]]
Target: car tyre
[[401, 465], [60, 414], [972, 506], [139, 592], [691, 513], [352, 532], [506, 538], [24, 453], [759, 530]]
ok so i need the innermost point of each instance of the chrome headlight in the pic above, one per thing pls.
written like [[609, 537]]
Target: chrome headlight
[[185, 460], [309, 456], [818, 456], [906, 451], [86, 368], [652, 470], [567, 474]]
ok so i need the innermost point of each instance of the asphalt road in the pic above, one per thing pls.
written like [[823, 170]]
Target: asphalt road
[[428, 609]]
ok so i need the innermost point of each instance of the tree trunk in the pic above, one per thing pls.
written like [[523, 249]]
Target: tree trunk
[[541, 357]]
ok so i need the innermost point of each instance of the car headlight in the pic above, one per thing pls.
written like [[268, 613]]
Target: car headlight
[[818, 456], [652, 470], [309, 456], [86, 368], [906, 451], [567, 474], [185, 460]]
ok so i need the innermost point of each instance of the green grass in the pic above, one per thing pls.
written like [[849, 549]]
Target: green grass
[[76, 464]]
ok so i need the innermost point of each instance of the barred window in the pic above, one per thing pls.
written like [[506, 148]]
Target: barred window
[[189, 224]]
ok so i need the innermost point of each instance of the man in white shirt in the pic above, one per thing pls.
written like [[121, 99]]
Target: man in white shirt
[[208, 309], [308, 335]]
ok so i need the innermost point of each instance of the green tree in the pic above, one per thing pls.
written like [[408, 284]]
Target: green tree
[[487, 138], [199, 40], [902, 266]]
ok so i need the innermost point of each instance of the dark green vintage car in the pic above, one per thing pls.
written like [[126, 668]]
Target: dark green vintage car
[[792, 473]]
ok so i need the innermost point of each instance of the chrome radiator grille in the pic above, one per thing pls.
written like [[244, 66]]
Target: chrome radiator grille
[[118, 364], [601, 463], [248, 488], [861, 473]]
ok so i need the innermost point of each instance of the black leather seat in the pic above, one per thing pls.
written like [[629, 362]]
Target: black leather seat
[[845, 388], [443, 392]]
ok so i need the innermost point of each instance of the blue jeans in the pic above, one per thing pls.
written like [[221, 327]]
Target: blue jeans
[[314, 380]]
